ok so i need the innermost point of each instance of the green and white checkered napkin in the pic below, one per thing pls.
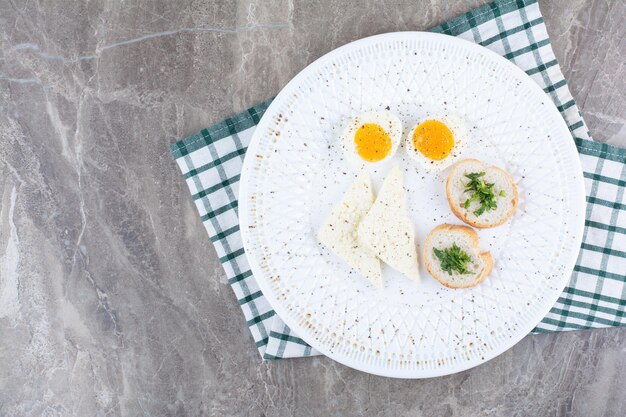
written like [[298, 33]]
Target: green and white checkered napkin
[[211, 162]]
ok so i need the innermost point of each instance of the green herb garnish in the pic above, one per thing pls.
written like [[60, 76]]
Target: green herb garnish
[[481, 191], [453, 259]]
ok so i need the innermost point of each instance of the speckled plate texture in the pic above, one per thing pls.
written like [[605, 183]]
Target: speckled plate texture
[[295, 171]]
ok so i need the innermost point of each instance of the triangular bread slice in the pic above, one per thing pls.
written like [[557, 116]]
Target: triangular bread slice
[[442, 237], [339, 232], [387, 229], [455, 192]]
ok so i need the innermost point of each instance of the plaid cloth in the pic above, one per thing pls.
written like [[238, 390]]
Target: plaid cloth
[[211, 162]]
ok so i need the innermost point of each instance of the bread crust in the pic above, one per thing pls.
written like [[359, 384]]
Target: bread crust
[[471, 233], [456, 206]]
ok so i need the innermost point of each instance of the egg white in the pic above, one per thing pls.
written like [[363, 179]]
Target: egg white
[[385, 119], [460, 142]]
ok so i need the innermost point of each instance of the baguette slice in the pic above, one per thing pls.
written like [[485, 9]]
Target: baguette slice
[[456, 194], [442, 237], [387, 229], [339, 233]]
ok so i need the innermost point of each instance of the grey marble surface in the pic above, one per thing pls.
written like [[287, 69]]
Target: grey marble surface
[[112, 301]]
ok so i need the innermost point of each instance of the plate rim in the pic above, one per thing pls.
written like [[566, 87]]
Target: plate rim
[[578, 207]]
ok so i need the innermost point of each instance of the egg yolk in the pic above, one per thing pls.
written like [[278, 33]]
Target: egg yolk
[[373, 143], [433, 139]]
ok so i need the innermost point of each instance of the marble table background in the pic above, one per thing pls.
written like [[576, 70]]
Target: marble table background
[[112, 301]]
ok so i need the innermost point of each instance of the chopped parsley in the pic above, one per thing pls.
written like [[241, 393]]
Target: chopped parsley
[[453, 259], [482, 192]]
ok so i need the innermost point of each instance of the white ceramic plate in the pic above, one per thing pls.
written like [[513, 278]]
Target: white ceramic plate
[[294, 172]]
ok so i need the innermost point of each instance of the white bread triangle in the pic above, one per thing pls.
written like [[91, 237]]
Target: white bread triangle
[[339, 232], [455, 192], [442, 237], [387, 229]]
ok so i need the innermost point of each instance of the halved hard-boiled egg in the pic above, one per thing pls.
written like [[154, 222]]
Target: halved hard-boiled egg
[[372, 137], [435, 144]]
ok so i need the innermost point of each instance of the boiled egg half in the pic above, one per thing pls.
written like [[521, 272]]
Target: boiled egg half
[[372, 137], [435, 143]]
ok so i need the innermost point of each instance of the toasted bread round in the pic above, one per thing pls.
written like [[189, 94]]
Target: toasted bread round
[[456, 194], [466, 238]]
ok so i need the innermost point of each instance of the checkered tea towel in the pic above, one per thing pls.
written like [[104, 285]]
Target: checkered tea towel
[[211, 162]]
